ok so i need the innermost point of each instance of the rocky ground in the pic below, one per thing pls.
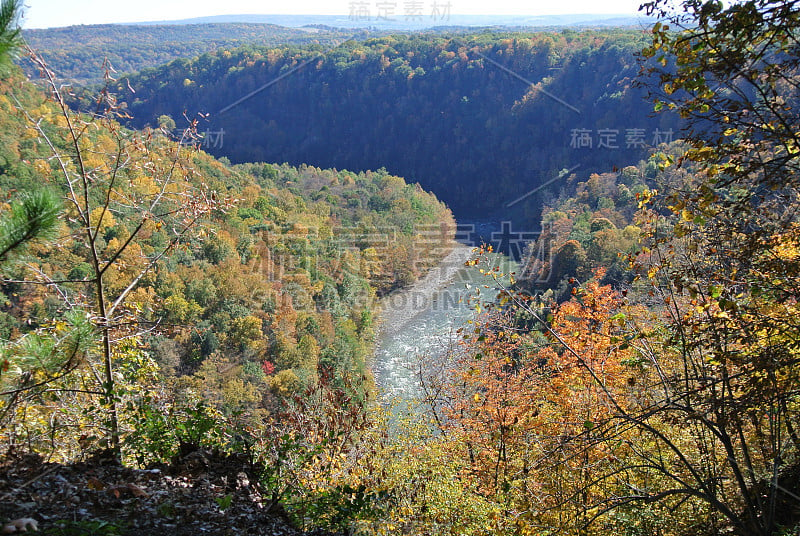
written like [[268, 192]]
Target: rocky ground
[[200, 493]]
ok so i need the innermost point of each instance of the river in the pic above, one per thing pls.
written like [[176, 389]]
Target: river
[[421, 321]]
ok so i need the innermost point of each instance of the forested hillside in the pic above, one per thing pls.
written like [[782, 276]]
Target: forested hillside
[[78, 53], [593, 226], [236, 287], [458, 114]]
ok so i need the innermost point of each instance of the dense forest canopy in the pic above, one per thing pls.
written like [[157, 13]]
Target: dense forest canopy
[[447, 111]]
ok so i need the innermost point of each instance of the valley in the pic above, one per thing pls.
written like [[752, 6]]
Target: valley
[[520, 274]]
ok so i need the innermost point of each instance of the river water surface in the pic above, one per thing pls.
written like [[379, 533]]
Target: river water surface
[[421, 321]]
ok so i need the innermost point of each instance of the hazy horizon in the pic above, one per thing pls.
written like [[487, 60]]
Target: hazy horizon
[[56, 13]]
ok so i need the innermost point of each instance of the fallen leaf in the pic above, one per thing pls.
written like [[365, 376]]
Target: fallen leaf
[[137, 491], [95, 484]]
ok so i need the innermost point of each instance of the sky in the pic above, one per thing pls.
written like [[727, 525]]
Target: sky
[[51, 13]]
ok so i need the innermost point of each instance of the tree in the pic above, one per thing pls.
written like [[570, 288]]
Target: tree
[[724, 258], [119, 185], [10, 40], [546, 418], [491, 411], [166, 122], [33, 217], [35, 361], [695, 419]]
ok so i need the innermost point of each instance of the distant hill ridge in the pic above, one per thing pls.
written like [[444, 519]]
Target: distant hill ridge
[[398, 21], [77, 52]]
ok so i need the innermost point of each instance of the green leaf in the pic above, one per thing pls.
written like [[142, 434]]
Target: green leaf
[[716, 291], [224, 502]]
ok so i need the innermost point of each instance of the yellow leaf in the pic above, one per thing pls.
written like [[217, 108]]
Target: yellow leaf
[[95, 484]]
